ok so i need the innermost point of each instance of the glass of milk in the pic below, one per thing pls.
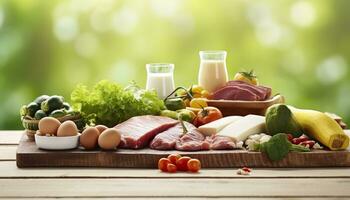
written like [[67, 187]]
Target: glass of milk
[[212, 71], [160, 77]]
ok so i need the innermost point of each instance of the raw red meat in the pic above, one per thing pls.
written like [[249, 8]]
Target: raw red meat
[[221, 142], [235, 93], [239, 90], [138, 131], [192, 141], [262, 91], [167, 139]]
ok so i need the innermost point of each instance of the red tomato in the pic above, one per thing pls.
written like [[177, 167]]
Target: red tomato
[[181, 164], [207, 114], [171, 168], [163, 164], [174, 157], [194, 165]]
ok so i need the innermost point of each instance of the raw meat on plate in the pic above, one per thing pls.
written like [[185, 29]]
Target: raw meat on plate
[[221, 143], [138, 131], [239, 90], [192, 141], [167, 139]]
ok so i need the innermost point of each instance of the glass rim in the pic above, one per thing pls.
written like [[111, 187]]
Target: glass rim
[[213, 52], [160, 65]]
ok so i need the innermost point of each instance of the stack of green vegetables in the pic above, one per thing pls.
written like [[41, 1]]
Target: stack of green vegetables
[[44, 106], [108, 103]]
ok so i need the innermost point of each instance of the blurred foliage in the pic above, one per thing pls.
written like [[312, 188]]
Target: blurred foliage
[[300, 48]]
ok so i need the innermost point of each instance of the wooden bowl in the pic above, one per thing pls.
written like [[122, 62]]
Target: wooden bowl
[[31, 125], [229, 107]]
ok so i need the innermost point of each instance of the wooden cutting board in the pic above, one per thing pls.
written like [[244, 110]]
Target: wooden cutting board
[[28, 155]]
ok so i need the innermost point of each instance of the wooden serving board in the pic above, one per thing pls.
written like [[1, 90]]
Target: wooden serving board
[[28, 155]]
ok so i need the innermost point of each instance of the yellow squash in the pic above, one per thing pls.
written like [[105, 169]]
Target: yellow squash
[[322, 128]]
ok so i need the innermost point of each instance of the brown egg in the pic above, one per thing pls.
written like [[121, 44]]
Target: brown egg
[[101, 128], [49, 125], [89, 138], [109, 139], [67, 128]]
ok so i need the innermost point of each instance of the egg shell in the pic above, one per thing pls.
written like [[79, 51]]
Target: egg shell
[[67, 128], [49, 125], [101, 128], [109, 139], [89, 138]]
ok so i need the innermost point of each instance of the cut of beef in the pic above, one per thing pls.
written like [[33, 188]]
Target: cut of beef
[[239, 90], [262, 91], [235, 93], [193, 140], [221, 143], [138, 131], [167, 139]]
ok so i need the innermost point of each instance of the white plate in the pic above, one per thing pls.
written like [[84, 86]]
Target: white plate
[[57, 143]]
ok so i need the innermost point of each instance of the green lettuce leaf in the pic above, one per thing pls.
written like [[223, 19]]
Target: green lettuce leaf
[[109, 104]]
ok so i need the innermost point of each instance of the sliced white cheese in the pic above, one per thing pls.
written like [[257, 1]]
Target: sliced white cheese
[[214, 127], [240, 130]]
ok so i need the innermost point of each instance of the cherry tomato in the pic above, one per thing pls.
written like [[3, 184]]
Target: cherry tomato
[[194, 165], [174, 157], [163, 164], [171, 168], [208, 114], [181, 164]]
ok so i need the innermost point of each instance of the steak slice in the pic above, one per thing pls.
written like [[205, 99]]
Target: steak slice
[[192, 141], [221, 143], [262, 91], [138, 131], [167, 139], [235, 92], [239, 90]]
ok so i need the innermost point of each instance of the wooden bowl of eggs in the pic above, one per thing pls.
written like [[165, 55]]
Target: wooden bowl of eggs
[[54, 135]]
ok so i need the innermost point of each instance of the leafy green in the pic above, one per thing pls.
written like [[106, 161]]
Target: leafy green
[[108, 103], [278, 147]]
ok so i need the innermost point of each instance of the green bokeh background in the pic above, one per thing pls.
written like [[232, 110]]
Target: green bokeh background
[[299, 48]]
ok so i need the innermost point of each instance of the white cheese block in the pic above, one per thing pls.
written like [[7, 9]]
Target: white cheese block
[[243, 128], [214, 127]]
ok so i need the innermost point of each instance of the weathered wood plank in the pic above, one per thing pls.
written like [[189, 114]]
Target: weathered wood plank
[[10, 137], [174, 188], [9, 170], [8, 152]]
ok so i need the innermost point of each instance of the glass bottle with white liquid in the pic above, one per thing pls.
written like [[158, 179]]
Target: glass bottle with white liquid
[[212, 71], [160, 77]]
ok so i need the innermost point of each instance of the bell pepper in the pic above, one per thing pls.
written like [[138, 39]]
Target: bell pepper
[[179, 101], [175, 104]]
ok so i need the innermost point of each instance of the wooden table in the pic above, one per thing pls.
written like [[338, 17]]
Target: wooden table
[[34, 183]]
